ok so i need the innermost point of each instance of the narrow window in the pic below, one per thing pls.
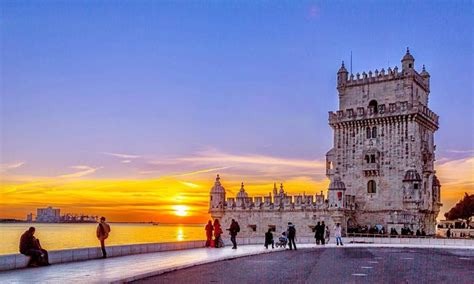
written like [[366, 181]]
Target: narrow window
[[371, 187], [372, 158], [367, 159], [369, 134], [374, 132]]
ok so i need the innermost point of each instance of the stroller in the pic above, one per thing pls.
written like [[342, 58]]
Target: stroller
[[282, 241]]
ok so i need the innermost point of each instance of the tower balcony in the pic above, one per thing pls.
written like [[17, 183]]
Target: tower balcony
[[371, 169]]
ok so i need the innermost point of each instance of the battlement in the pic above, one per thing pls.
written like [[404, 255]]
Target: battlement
[[382, 76], [382, 111]]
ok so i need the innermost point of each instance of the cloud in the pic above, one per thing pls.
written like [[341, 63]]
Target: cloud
[[5, 167], [83, 170], [123, 156], [460, 151], [126, 161]]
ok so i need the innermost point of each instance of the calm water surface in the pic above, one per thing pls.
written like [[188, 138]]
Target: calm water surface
[[66, 236]]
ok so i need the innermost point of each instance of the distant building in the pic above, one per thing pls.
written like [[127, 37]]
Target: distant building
[[48, 215], [29, 217]]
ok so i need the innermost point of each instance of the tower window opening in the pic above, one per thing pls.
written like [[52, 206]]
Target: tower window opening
[[367, 159], [369, 133], [374, 104], [372, 158], [374, 132], [371, 187]]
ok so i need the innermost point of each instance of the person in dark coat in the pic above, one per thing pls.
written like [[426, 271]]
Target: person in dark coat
[[317, 231], [269, 239], [30, 246], [321, 232], [233, 230], [209, 228], [291, 235]]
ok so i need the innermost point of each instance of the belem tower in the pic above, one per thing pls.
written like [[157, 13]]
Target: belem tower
[[381, 166]]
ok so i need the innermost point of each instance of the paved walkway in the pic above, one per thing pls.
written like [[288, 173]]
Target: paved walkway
[[128, 268]]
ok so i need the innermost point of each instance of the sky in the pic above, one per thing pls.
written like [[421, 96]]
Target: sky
[[128, 109]]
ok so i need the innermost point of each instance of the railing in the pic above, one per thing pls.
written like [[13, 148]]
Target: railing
[[372, 235]]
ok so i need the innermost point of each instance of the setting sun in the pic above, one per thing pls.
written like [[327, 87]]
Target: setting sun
[[180, 210]]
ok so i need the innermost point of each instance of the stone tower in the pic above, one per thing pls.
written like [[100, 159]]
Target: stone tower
[[384, 147]]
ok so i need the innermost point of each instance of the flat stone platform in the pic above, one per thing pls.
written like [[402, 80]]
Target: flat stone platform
[[134, 267], [334, 265]]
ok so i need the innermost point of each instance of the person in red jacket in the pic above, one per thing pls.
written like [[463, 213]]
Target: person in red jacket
[[217, 234], [209, 228]]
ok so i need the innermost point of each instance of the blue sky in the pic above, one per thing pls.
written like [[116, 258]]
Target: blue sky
[[168, 79]]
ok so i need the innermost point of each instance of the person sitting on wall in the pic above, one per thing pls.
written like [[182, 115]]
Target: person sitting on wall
[[30, 246], [269, 239]]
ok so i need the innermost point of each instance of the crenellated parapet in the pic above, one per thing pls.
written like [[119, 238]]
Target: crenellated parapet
[[383, 111]]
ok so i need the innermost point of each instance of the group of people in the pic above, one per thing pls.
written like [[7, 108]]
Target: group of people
[[31, 246], [322, 235], [216, 230]]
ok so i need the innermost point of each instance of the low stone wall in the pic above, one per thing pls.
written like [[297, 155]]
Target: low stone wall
[[17, 261]]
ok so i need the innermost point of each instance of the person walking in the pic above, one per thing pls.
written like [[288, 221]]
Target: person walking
[[291, 235], [209, 228], [233, 230], [327, 235], [102, 232], [269, 239], [30, 246], [217, 234], [321, 233], [338, 234], [317, 231]]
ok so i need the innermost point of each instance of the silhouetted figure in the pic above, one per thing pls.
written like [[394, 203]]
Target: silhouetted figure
[[269, 239], [418, 233], [321, 234], [338, 234], [448, 233], [291, 232], [30, 246], [317, 232], [217, 234], [233, 230], [209, 228], [102, 232]]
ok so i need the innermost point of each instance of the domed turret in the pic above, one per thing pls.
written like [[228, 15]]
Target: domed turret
[[408, 61], [242, 193], [342, 75], [217, 197], [337, 184], [412, 175], [424, 73]]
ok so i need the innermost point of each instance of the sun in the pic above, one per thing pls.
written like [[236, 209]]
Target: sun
[[180, 210]]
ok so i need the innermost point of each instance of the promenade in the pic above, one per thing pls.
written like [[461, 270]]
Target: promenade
[[139, 266]]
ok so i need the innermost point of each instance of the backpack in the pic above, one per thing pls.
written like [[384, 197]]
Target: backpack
[[237, 229], [291, 231]]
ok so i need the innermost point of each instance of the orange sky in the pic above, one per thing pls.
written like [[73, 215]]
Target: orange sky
[[183, 197]]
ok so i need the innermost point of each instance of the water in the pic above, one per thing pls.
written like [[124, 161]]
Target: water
[[67, 236]]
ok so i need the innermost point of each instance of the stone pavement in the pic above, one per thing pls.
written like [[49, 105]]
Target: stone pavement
[[334, 265], [133, 267]]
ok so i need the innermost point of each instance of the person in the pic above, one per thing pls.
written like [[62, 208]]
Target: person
[[317, 231], [418, 233], [338, 234], [233, 230], [217, 234], [448, 233], [291, 235], [102, 232], [30, 246], [209, 228], [321, 234], [327, 235], [269, 239]]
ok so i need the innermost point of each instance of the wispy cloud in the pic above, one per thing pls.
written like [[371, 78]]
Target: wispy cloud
[[82, 171], [456, 151], [5, 167]]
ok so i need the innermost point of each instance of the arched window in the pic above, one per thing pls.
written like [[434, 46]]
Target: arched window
[[374, 132], [367, 159], [369, 133], [371, 187], [372, 158], [373, 103]]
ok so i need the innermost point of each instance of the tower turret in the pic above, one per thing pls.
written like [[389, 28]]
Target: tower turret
[[426, 76], [217, 199], [342, 75], [408, 62], [336, 193]]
